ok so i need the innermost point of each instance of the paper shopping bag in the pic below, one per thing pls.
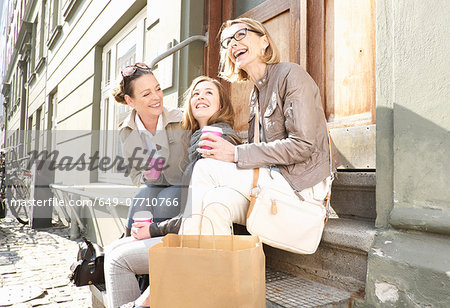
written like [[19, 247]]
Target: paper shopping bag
[[207, 271]]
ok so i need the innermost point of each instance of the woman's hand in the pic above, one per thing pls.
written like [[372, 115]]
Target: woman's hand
[[220, 148], [140, 230]]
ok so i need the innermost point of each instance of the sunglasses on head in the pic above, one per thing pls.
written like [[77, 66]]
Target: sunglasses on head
[[130, 70]]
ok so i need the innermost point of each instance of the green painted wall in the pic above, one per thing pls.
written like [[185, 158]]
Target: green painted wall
[[408, 264]]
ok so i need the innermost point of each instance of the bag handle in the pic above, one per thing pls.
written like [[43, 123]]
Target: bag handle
[[91, 252], [256, 171], [212, 227], [231, 219], [228, 210]]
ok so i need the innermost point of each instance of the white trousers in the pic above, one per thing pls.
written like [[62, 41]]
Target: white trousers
[[124, 258], [219, 188]]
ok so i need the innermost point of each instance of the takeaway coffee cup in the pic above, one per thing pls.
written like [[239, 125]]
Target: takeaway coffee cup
[[156, 166], [213, 130], [143, 217], [143, 220]]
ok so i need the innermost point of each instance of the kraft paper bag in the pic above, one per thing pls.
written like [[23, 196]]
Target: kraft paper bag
[[207, 271]]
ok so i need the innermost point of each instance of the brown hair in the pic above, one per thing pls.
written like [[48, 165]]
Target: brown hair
[[224, 114], [126, 86], [227, 69]]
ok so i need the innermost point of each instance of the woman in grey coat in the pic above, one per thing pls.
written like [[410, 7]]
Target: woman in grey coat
[[152, 142]]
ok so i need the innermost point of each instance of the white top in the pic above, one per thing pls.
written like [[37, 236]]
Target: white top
[[146, 136]]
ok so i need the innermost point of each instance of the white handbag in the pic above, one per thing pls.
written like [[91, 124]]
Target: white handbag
[[281, 219]]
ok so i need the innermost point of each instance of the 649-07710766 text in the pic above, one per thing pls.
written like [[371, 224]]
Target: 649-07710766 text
[[98, 201]]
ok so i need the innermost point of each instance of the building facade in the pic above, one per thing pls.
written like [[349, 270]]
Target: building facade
[[382, 70], [4, 20]]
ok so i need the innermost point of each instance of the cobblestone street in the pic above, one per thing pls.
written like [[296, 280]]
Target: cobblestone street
[[34, 267]]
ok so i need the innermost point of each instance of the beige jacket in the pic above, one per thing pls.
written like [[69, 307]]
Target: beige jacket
[[173, 141], [294, 130]]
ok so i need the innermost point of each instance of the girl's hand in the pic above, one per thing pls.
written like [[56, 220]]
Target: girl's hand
[[140, 230], [220, 148]]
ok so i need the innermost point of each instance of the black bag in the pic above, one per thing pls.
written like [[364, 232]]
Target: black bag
[[88, 269]]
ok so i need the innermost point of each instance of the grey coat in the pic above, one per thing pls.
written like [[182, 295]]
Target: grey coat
[[172, 140]]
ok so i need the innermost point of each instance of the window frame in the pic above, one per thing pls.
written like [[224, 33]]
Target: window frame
[[110, 108]]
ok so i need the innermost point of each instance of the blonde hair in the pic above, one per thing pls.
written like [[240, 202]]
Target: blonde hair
[[227, 69], [224, 114]]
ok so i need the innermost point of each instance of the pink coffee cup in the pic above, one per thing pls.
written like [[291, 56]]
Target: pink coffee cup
[[155, 169], [143, 217], [143, 220], [212, 130]]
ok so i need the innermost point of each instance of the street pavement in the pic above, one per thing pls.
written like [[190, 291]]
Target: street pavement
[[34, 267]]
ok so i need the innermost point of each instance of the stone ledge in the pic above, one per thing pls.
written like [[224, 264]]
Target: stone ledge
[[408, 270], [421, 219], [350, 233], [360, 179]]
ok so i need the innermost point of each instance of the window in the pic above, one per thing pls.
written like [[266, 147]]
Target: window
[[30, 135], [17, 88], [68, 7], [40, 36], [126, 48], [54, 27], [54, 15], [108, 68], [51, 120], [13, 90], [37, 132], [34, 42]]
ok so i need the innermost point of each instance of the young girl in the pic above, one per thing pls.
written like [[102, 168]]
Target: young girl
[[206, 103]]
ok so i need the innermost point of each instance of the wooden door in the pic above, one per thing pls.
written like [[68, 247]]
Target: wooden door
[[341, 59], [335, 42], [283, 22]]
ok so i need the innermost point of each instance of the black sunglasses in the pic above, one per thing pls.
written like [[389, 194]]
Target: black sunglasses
[[130, 70], [239, 35]]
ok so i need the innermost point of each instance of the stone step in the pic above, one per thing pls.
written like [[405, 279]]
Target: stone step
[[353, 195], [340, 261]]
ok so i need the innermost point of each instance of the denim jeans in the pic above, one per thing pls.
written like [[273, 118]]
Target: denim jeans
[[162, 201]]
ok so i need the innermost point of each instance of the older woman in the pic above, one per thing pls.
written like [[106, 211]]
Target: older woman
[[294, 149]]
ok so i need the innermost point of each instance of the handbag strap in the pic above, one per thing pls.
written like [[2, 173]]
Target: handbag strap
[[253, 191], [256, 170], [331, 155], [328, 196]]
